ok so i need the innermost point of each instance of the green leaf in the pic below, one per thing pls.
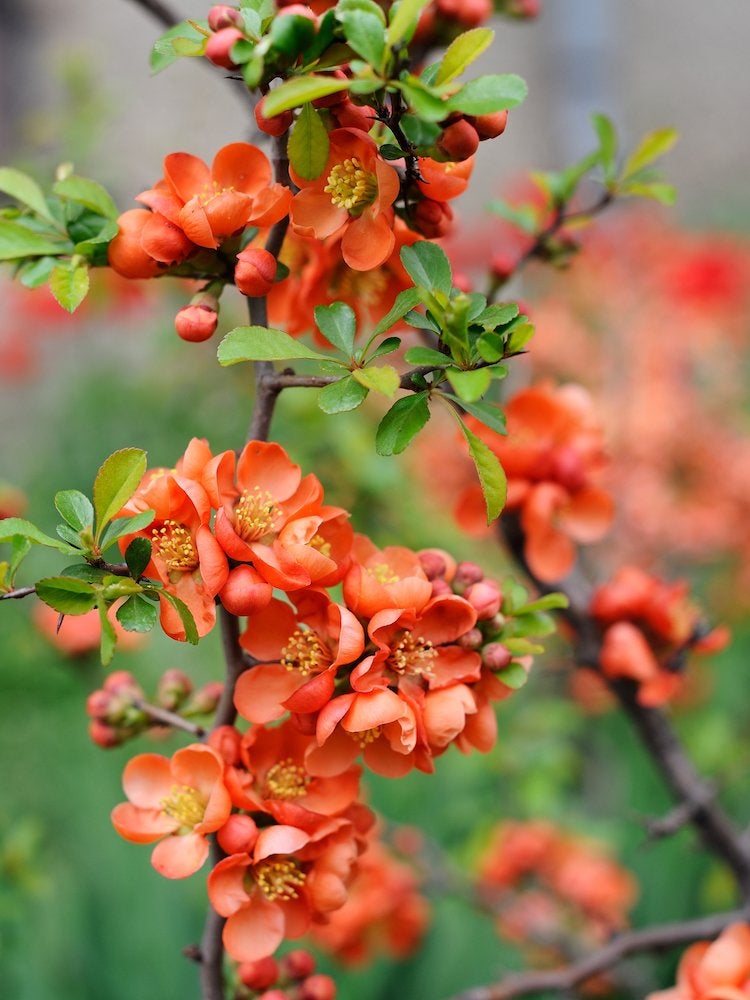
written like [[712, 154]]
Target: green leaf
[[403, 17], [121, 526], [69, 284], [172, 44], [17, 240], [390, 152], [93, 245], [67, 594], [490, 346], [138, 556], [108, 640], [427, 356], [547, 603], [419, 132], [36, 271], [89, 193], [496, 315], [289, 35], [487, 94], [26, 190], [75, 508], [67, 534], [519, 337], [308, 144], [137, 614], [605, 133], [363, 30], [405, 302], [368, 6], [84, 571], [186, 617], [341, 396], [20, 548], [665, 194], [259, 343], [525, 217], [427, 265], [470, 385], [512, 676], [115, 483], [401, 423], [491, 474], [388, 346], [384, 380], [462, 52], [338, 324], [301, 90], [650, 148], [426, 105], [12, 526], [487, 413]]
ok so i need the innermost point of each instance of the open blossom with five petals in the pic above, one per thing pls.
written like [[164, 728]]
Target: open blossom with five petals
[[185, 556], [392, 577], [176, 801], [353, 198], [274, 519], [300, 652], [287, 878], [210, 204]]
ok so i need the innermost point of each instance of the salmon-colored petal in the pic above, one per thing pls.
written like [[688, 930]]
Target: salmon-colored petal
[[279, 568], [313, 694], [626, 653], [228, 212], [588, 515], [214, 567], [269, 630], [226, 884], [165, 241], [178, 857], [368, 240], [255, 931], [336, 755], [454, 665], [141, 826], [445, 712], [267, 466], [187, 175], [197, 766], [727, 960], [312, 213], [445, 619], [351, 636], [160, 198], [194, 221], [382, 759], [147, 780], [389, 183], [243, 167], [218, 808], [270, 206], [549, 553], [373, 709], [261, 692], [279, 840]]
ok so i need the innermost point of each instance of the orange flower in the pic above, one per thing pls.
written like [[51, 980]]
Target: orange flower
[[718, 970], [444, 181], [209, 205], [352, 198], [300, 652], [384, 578], [179, 799], [290, 878]]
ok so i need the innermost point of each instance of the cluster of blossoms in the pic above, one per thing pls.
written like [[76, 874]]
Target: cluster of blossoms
[[550, 889], [718, 970], [291, 978]]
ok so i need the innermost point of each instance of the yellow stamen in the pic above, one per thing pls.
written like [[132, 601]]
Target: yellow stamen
[[383, 573], [255, 514], [211, 191], [364, 286], [351, 186], [279, 879], [319, 543], [305, 652], [412, 655], [174, 545], [366, 736], [185, 804], [286, 780]]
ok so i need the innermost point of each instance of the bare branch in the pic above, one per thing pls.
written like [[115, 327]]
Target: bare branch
[[629, 943], [167, 718], [14, 595]]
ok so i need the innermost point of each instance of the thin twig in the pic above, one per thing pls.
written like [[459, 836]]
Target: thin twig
[[160, 11], [628, 943], [14, 595], [211, 948], [168, 718]]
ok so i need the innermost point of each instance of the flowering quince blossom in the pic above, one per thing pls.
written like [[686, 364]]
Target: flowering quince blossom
[[185, 556], [649, 626], [718, 970], [352, 198], [274, 519], [301, 654], [286, 878], [550, 455], [180, 800], [392, 577]]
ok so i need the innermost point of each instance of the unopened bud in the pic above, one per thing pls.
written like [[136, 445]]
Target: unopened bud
[[245, 592], [440, 588], [495, 656], [458, 141], [103, 735], [317, 988], [255, 272], [275, 125], [298, 964], [433, 219], [472, 639], [204, 700], [198, 321], [490, 126], [223, 16], [485, 598], [351, 115], [434, 562], [260, 974], [220, 45], [466, 574], [173, 688], [237, 836]]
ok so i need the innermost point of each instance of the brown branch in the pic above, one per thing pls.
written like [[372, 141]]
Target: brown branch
[[167, 718], [160, 11], [211, 949], [628, 943]]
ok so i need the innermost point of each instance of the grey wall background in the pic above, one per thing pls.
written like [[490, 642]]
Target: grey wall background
[[647, 63]]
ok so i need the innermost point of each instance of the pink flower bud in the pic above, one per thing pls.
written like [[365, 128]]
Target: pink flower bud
[[260, 974], [458, 141], [276, 125], [223, 16], [466, 574], [490, 126], [433, 219], [317, 988], [440, 588], [503, 265], [103, 735], [196, 323], [273, 995], [435, 563], [298, 964], [485, 598], [220, 45], [255, 272], [173, 688], [237, 836], [245, 592], [495, 656], [205, 699], [472, 639]]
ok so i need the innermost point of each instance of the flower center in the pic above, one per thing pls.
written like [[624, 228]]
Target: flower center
[[413, 654], [185, 804], [286, 780], [305, 652], [211, 191], [279, 879], [364, 286], [351, 186], [174, 545], [366, 736], [319, 543], [255, 514], [383, 573]]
